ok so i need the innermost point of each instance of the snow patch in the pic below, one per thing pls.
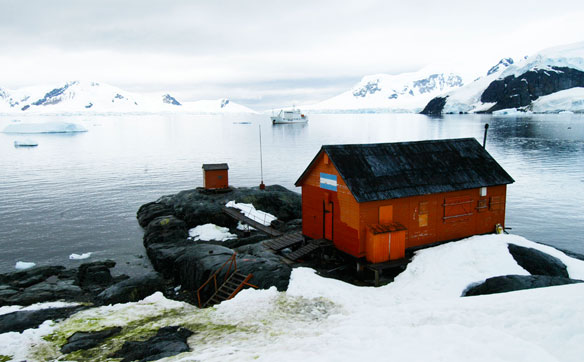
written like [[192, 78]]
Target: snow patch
[[250, 211], [209, 232]]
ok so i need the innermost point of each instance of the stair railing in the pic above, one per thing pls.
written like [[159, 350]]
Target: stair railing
[[232, 264]]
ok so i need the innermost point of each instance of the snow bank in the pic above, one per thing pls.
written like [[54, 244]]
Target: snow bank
[[571, 100], [21, 265], [209, 232], [250, 211], [47, 127], [79, 256]]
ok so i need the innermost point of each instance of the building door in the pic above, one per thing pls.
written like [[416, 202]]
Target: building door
[[328, 220]]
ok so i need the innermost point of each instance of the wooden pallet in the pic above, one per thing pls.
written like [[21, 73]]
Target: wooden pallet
[[285, 241], [237, 215]]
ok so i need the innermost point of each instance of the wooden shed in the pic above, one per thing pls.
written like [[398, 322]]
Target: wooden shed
[[215, 176], [376, 200]]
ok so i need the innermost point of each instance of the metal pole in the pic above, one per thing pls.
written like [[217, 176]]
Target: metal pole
[[485, 137], [262, 186]]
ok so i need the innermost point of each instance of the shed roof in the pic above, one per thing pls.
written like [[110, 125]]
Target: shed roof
[[215, 166], [384, 171]]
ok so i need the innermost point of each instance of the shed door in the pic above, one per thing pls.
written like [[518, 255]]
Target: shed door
[[328, 220]]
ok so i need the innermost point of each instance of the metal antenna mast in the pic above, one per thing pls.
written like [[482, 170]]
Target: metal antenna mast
[[262, 186]]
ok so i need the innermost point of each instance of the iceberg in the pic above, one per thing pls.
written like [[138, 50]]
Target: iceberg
[[47, 127], [79, 256], [21, 265]]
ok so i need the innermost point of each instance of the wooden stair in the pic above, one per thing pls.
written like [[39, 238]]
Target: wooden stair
[[234, 283], [239, 216]]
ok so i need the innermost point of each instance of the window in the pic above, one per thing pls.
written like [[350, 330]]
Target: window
[[482, 205], [423, 214], [457, 209]]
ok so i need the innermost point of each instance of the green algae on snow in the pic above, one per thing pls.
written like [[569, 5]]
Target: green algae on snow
[[4, 358]]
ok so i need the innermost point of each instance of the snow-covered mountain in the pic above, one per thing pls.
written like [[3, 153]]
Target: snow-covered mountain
[[407, 92], [538, 83], [93, 97]]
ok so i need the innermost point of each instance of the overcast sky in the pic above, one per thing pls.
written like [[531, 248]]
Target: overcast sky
[[266, 53]]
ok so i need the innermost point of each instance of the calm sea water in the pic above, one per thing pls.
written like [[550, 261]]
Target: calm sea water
[[80, 193]]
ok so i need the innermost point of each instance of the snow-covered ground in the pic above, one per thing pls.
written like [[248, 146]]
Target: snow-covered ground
[[86, 97], [467, 98], [421, 316], [407, 92]]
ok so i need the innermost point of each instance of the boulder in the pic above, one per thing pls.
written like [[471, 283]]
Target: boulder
[[509, 283], [22, 320], [87, 340], [168, 341], [537, 262], [165, 230], [95, 276], [150, 211], [163, 256], [132, 289], [26, 278]]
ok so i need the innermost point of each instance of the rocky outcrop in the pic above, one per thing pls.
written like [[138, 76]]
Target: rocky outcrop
[[435, 106], [537, 262], [87, 340], [150, 211], [132, 289], [50, 283], [520, 91], [201, 261], [509, 283], [168, 341], [22, 320]]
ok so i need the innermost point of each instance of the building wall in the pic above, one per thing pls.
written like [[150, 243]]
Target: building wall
[[345, 209], [426, 218], [215, 179]]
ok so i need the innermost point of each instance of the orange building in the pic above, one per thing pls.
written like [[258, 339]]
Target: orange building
[[215, 176], [376, 200]]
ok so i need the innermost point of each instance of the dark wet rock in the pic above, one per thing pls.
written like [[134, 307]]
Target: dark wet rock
[[45, 291], [537, 262], [509, 283], [197, 207], [435, 106], [165, 229], [520, 91], [26, 278], [200, 262], [87, 340], [132, 289], [150, 211], [168, 341], [22, 320], [163, 256], [95, 276], [293, 225]]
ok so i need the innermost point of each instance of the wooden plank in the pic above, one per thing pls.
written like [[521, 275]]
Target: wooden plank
[[308, 248], [285, 241], [237, 215]]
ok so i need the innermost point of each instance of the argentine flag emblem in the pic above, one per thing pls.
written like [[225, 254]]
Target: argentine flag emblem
[[328, 182]]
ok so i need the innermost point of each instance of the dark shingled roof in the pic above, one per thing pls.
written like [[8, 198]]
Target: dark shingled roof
[[385, 171], [215, 166]]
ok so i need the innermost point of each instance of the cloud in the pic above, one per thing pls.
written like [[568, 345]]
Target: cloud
[[228, 44]]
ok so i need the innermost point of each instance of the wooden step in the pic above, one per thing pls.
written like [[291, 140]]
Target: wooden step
[[303, 251]]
